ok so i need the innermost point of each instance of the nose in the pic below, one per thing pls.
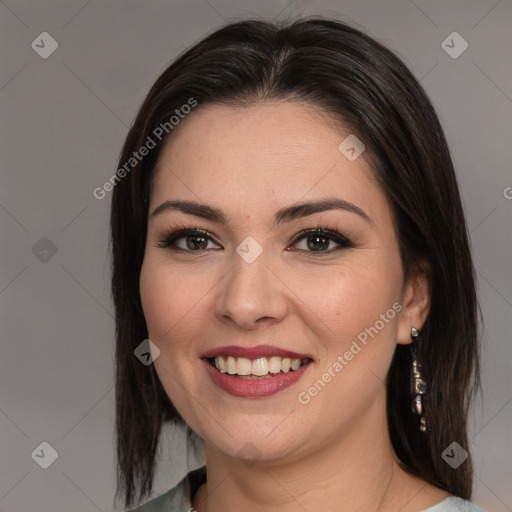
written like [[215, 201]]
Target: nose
[[251, 294]]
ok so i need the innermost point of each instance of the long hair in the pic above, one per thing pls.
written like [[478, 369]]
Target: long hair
[[358, 83]]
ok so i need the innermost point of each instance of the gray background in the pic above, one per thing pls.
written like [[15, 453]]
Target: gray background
[[64, 119]]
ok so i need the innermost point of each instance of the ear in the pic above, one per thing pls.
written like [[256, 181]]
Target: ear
[[416, 301]]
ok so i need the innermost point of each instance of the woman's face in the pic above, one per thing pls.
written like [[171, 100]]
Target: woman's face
[[253, 281]]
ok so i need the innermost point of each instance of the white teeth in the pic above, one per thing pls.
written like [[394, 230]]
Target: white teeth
[[231, 365], [274, 364], [258, 367], [221, 365], [243, 366], [295, 364]]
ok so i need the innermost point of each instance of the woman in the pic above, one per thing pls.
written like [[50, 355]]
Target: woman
[[287, 231]]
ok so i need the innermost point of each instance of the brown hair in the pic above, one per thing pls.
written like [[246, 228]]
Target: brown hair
[[360, 83]]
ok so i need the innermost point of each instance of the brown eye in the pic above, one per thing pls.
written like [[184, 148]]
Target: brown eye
[[193, 240], [320, 240], [317, 241]]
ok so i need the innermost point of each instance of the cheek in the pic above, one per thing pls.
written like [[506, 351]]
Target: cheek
[[361, 308], [354, 300], [156, 298], [168, 298]]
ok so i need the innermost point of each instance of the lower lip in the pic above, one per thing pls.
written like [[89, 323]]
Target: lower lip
[[254, 388]]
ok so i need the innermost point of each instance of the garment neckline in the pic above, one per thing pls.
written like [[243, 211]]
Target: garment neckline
[[198, 477]]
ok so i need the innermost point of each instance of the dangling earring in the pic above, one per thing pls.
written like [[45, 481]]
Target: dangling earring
[[418, 385]]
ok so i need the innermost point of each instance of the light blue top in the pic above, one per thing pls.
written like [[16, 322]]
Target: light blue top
[[179, 498]]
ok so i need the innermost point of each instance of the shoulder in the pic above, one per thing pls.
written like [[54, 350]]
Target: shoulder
[[455, 504], [179, 498]]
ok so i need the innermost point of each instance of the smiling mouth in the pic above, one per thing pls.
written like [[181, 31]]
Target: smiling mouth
[[259, 368]]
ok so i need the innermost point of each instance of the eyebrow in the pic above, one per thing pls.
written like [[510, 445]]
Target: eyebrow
[[286, 214]]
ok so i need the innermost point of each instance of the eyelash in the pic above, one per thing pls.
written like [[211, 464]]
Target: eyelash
[[169, 238]]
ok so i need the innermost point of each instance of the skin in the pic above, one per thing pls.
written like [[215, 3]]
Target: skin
[[333, 453]]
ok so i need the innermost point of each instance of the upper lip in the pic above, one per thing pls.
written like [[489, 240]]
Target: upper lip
[[253, 352]]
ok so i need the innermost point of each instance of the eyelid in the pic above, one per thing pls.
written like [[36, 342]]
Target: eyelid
[[182, 231], [174, 233], [334, 233]]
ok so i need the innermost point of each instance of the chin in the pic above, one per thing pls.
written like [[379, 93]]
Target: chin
[[254, 444]]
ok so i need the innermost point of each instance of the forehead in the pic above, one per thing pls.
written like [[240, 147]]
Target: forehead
[[271, 152]]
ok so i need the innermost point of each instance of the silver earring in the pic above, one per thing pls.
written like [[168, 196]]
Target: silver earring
[[418, 385]]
